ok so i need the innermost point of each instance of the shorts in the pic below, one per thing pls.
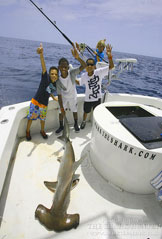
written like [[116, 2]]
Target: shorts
[[89, 105], [37, 112], [70, 103]]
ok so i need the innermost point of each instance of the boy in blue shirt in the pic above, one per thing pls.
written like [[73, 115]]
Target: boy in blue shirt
[[100, 51]]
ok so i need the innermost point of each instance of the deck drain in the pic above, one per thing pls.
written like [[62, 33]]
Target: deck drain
[[4, 121]]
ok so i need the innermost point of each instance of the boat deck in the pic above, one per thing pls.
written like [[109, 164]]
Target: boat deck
[[105, 211]]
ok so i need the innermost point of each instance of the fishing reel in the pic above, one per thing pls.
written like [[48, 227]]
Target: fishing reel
[[82, 47]]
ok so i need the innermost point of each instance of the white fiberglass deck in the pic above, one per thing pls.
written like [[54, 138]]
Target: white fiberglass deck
[[105, 212]]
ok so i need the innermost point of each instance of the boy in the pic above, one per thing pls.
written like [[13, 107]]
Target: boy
[[38, 105], [100, 51], [92, 80], [68, 97]]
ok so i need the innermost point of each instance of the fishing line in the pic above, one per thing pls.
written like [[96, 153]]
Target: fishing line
[[91, 52]]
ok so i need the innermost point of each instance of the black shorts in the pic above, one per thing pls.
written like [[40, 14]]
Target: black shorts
[[89, 105]]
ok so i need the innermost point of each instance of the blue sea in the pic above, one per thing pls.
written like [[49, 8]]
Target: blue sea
[[20, 70]]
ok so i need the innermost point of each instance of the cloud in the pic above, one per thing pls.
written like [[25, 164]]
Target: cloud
[[127, 10], [115, 9], [136, 12]]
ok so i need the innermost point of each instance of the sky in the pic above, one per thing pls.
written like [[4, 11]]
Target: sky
[[131, 26]]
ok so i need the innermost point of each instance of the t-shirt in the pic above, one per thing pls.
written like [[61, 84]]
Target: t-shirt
[[46, 87], [99, 55], [93, 84], [69, 84], [51, 89]]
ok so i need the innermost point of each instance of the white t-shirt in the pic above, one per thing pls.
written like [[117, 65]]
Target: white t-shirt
[[69, 84], [70, 91], [93, 84]]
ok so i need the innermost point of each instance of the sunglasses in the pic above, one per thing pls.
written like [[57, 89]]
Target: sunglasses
[[90, 64]]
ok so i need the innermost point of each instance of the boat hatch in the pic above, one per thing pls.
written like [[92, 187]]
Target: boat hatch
[[145, 127], [128, 111]]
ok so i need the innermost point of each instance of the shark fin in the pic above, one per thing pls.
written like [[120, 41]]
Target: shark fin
[[51, 185], [61, 138], [77, 163], [76, 177], [75, 181]]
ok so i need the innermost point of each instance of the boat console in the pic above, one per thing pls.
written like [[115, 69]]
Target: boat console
[[126, 144]]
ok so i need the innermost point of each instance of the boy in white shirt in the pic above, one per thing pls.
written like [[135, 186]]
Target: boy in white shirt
[[92, 80], [68, 98]]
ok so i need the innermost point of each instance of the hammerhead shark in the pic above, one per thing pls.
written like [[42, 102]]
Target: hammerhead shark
[[56, 218]]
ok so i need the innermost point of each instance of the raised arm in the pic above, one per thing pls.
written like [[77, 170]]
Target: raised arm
[[76, 56], [40, 52], [109, 55]]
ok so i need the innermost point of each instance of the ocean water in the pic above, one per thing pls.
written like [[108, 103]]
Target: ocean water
[[20, 70]]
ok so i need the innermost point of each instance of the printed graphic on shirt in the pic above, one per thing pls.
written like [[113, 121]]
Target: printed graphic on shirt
[[93, 84], [51, 89], [94, 87]]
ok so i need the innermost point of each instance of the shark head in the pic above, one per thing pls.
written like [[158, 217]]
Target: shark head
[[57, 223]]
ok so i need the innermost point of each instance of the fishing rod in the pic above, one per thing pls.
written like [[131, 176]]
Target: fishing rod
[[52, 23], [87, 47]]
